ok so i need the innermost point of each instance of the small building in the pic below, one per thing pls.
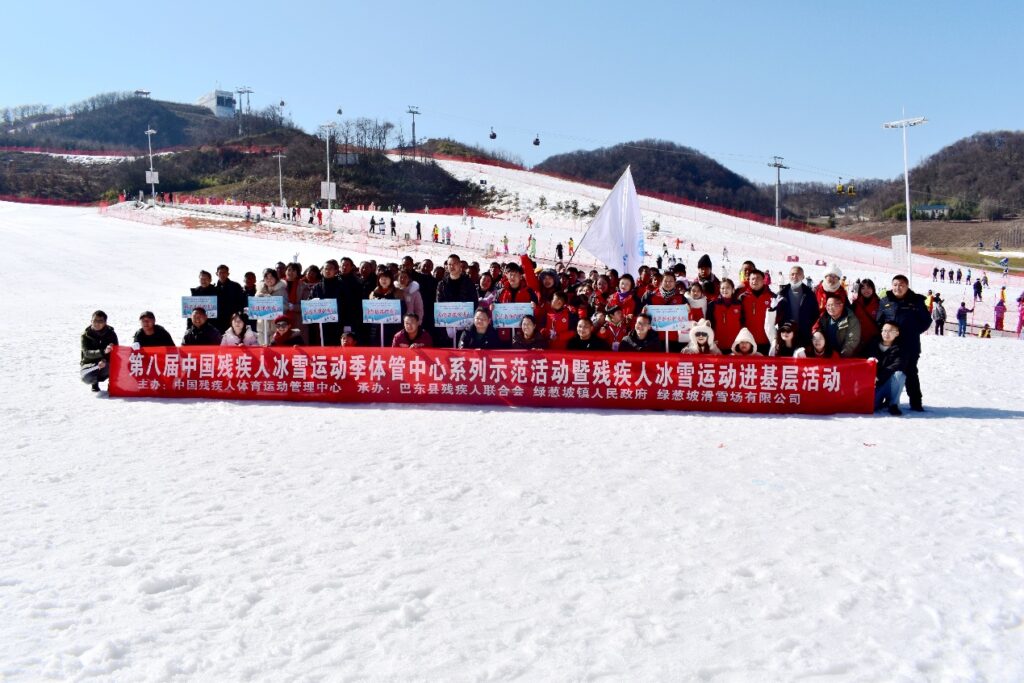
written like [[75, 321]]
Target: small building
[[932, 210], [220, 102]]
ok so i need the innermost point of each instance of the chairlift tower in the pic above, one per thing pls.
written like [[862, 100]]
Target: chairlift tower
[[243, 90], [414, 110], [778, 166]]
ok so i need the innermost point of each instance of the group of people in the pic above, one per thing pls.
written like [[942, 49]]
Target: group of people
[[571, 310]]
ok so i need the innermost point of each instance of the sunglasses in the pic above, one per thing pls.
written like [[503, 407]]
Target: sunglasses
[[700, 334], [281, 324]]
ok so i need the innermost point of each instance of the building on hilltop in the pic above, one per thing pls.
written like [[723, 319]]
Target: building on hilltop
[[220, 102], [932, 210]]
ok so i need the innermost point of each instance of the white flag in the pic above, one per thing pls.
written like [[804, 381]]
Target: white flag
[[616, 236]]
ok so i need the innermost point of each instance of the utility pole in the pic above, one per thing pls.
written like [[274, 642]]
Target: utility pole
[[778, 166], [280, 185], [414, 110], [152, 184], [904, 124], [242, 90]]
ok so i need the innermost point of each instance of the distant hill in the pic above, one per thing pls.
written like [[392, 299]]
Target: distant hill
[[664, 167], [118, 121], [981, 176], [454, 148]]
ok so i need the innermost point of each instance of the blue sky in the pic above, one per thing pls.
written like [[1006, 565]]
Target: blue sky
[[809, 81]]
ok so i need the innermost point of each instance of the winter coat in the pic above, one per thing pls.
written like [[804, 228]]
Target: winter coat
[[230, 300], [889, 361], [710, 348], [595, 343], [711, 286], [538, 343], [628, 302], [843, 334], [806, 314], [160, 337], [726, 318], [866, 311], [560, 326], [745, 336], [755, 312], [231, 339], [613, 334], [472, 339], [402, 340], [265, 328], [821, 294], [207, 335], [461, 289], [649, 344], [94, 344], [938, 312], [961, 313], [911, 315], [291, 337], [413, 299]]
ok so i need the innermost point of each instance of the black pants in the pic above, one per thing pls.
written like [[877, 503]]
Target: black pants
[[940, 327], [93, 374], [913, 385]]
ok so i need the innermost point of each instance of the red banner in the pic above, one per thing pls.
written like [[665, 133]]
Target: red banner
[[659, 381]]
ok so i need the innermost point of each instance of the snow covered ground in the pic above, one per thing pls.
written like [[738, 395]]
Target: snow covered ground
[[175, 540]]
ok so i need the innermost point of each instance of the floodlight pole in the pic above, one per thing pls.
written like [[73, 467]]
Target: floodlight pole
[[280, 184], [149, 139], [904, 124]]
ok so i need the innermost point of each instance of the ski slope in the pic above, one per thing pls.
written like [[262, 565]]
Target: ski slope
[[176, 540]]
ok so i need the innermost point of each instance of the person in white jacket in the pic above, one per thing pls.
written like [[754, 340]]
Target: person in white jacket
[[702, 340], [272, 286], [239, 333], [745, 344], [410, 290]]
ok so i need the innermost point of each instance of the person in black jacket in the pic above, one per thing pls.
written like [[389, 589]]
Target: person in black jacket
[[797, 303], [202, 332], [889, 376], [454, 286], [907, 309], [585, 339], [150, 334], [641, 339], [329, 287], [231, 299], [351, 311], [482, 335], [98, 342]]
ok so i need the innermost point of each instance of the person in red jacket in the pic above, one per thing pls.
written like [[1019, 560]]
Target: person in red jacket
[[666, 294], [615, 328], [726, 315], [515, 292], [560, 325], [625, 298], [412, 335], [865, 307], [830, 282], [756, 303]]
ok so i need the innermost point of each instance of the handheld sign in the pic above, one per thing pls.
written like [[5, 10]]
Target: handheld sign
[[670, 318], [382, 311], [510, 315], [457, 315], [265, 307], [319, 311], [191, 303]]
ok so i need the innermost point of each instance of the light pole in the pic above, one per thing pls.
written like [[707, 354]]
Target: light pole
[[327, 129], [904, 124], [152, 180], [280, 186], [414, 110]]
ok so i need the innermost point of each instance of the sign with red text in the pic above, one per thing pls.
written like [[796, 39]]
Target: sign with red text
[[513, 378]]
